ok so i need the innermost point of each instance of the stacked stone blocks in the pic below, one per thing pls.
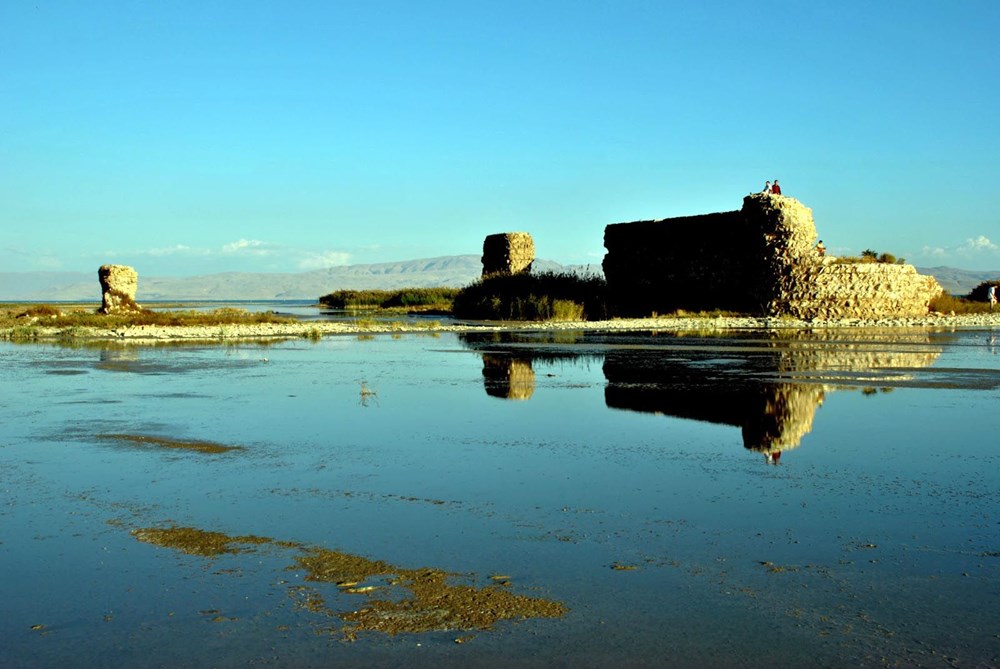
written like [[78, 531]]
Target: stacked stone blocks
[[508, 253], [118, 287], [761, 260]]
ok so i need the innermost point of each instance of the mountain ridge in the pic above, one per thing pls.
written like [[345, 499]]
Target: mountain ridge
[[452, 271]]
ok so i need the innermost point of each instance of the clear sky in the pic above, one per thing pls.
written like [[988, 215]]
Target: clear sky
[[198, 137]]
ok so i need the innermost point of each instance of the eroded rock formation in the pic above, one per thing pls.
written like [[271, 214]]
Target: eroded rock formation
[[118, 286], [761, 259], [508, 253]]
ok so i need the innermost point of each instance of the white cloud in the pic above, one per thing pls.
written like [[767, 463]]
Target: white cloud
[[249, 247], [935, 251], [323, 260], [980, 243], [177, 249]]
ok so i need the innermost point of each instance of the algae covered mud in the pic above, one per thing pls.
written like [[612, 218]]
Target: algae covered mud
[[559, 498]]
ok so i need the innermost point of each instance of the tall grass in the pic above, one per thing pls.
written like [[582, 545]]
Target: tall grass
[[408, 298], [533, 297], [870, 256], [48, 316], [948, 304]]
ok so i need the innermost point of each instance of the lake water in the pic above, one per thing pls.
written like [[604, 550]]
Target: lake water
[[539, 499]]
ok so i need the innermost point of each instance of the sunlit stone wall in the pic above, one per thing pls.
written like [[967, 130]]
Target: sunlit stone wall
[[508, 253], [761, 259], [118, 287]]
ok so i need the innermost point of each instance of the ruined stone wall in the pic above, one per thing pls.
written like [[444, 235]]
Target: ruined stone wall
[[759, 260], [664, 265], [508, 253], [831, 289], [118, 286]]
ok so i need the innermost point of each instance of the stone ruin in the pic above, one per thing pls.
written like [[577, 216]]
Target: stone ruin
[[508, 253], [761, 259], [118, 286]]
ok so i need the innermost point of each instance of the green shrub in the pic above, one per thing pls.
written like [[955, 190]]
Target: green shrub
[[84, 318], [870, 256], [40, 311], [533, 297], [978, 294], [410, 298], [566, 310]]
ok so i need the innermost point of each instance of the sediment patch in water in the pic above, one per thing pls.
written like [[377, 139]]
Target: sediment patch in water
[[397, 600], [179, 444]]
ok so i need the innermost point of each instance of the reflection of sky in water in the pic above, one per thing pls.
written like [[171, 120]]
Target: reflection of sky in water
[[874, 537]]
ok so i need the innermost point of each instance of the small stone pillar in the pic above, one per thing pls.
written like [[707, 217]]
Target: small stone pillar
[[118, 286], [508, 253]]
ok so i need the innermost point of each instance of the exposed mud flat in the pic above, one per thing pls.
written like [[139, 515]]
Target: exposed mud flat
[[174, 444], [397, 600]]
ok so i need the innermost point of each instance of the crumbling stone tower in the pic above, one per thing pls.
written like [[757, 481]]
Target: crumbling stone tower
[[508, 253], [118, 286]]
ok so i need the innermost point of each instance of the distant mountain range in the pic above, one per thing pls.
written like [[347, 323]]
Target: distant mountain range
[[443, 271]]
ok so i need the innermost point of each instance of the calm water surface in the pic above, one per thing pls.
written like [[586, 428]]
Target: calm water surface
[[750, 499]]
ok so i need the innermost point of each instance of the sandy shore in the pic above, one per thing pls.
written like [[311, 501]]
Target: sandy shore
[[317, 329]]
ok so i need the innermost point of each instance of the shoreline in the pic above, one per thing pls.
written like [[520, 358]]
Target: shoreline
[[317, 329]]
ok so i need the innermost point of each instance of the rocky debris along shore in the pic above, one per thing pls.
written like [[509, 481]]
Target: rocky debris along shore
[[318, 329]]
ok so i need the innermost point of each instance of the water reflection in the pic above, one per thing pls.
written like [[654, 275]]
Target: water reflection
[[508, 377], [768, 384]]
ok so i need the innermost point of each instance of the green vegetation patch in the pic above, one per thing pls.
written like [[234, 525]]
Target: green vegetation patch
[[49, 316], [417, 299], [870, 256], [951, 304], [979, 293], [534, 297]]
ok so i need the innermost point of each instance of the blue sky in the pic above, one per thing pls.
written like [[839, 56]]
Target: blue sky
[[197, 137]]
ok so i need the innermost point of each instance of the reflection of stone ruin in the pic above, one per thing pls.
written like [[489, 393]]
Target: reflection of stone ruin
[[508, 253], [761, 259], [118, 286], [771, 390], [509, 378], [774, 406]]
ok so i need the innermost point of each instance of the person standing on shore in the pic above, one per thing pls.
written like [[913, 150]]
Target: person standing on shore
[[775, 188], [991, 296]]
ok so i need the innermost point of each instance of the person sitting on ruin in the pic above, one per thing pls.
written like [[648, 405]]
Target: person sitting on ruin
[[820, 249], [775, 188], [767, 188]]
